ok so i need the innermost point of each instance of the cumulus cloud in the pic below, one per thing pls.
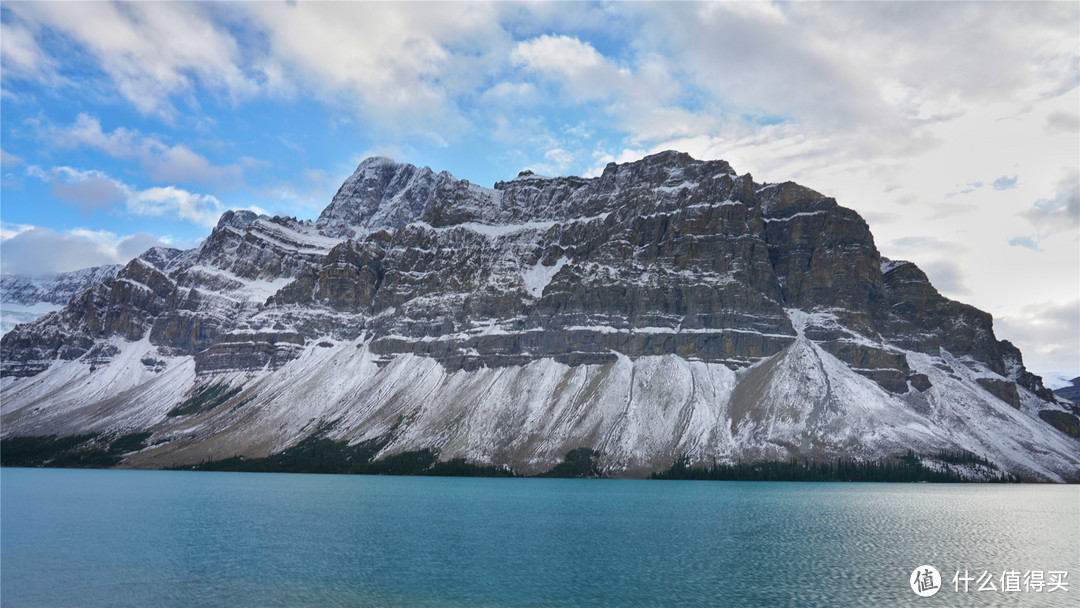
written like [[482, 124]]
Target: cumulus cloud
[[405, 68], [586, 72], [87, 190], [39, 251], [202, 209], [8, 229], [94, 189]]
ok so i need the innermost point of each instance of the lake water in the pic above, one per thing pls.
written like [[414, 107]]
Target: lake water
[[158, 538]]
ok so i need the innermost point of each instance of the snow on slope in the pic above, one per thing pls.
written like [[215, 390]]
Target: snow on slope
[[75, 397], [640, 414]]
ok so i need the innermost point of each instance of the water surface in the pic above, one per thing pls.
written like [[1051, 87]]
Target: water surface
[[163, 538]]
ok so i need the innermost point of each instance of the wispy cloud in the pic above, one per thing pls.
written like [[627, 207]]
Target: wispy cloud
[[162, 163], [9, 161], [151, 53], [92, 189]]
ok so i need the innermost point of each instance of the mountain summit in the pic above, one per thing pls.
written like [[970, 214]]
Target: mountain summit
[[666, 308]]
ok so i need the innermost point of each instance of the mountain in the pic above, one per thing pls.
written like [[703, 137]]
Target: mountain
[[1072, 393], [24, 299], [667, 308]]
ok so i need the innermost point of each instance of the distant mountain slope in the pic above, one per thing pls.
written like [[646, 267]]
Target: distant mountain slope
[[1072, 393], [24, 299], [669, 307]]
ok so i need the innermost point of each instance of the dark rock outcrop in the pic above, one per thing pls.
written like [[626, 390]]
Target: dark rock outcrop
[[1063, 421]]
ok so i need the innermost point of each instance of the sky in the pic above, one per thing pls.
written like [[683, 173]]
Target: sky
[[952, 128]]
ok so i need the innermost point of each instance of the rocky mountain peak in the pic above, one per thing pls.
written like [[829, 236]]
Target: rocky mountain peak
[[238, 219], [381, 193], [666, 307]]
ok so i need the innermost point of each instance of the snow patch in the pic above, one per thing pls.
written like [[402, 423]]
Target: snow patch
[[537, 276], [887, 264]]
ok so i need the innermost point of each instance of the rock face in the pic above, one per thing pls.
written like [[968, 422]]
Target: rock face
[[667, 307], [24, 299]]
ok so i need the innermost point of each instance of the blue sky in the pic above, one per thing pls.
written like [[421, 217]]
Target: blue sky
[[953, 128]]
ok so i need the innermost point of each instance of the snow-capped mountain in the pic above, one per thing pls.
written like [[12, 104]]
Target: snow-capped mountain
[[668, 307], [24, 299]]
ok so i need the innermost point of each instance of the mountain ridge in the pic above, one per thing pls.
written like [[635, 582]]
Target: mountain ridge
[[509, 325]]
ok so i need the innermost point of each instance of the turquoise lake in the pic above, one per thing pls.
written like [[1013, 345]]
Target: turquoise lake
[[162, 538]]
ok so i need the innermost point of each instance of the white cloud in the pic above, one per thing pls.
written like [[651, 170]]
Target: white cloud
[[202, 209], [512, 92], [404, 68], [87, 190], [94, 189], [764, 60], [8, 229], [556, 162], [39, 251], [577, 64], [86, 131]]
